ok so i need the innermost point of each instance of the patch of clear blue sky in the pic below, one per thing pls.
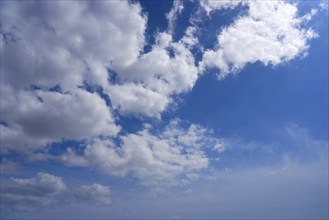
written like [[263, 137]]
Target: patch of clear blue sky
[[260, 98], [157, 22]]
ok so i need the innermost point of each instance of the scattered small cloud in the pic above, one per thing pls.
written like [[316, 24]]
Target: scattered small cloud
[[93, 194], [210, 6]]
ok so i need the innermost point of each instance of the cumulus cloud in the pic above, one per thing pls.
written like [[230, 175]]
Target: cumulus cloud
[[93, 194], [135, 99], [39, 117], [190, 39], [66, 50], [109, 43], [44, 97], [16, 140], [48, 51], [52, 51], [28, 194], [168, 69], [271, 33], [170, 157]]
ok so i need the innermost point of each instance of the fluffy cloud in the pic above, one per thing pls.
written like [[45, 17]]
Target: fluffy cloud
[[136, 99], [28, 194], [189, 39], [50, 49], [271, 33], [74, 41], [110, 41], [168, 69], [93, 194], [67, 52], [38, 117], [43, 99], [171, 157], [16, 140], [47, 45]]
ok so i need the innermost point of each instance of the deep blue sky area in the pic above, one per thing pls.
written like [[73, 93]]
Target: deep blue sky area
[[262, 98], [265, 96], [164, 109], [156, 13]]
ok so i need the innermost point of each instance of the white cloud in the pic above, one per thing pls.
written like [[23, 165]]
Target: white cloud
[[190, 39], [168, 158], [210, 5], [166, 70], [136, 99], [28, 194], [75, 41], [82, 42], [68, 52], [39, 117], [172, 15], [271, 33], [93, 194], [49, 44], [16, 140], [78, 43]]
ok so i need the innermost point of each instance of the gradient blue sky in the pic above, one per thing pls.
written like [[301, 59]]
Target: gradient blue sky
[[164, 109]]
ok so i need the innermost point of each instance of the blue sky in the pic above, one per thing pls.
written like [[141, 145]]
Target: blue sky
[[164, 109]]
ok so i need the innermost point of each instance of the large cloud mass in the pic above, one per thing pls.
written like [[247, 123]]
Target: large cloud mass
[[64, 43], [174, 156], [70, 69], [77, 75], [92, 42], [49, 50]]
